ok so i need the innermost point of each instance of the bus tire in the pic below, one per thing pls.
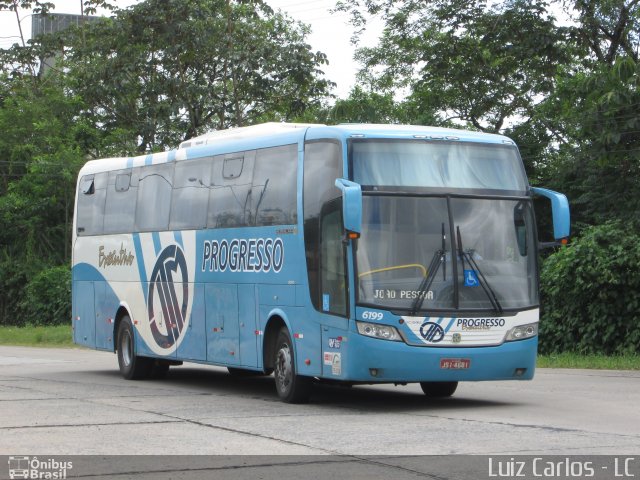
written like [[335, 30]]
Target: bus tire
[[291, 387], [159, 369], [438, 389], [132, 367]]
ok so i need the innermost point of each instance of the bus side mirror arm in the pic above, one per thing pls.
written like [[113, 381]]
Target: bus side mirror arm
[[351, 207], [560, 212]]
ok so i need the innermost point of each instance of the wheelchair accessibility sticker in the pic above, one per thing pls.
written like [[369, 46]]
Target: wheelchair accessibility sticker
[[471, 278]]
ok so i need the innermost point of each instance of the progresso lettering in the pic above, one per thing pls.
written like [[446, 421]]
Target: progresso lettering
[[479, 323], [243, 255]]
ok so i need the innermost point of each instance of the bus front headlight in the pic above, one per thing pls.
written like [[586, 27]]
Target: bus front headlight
[[385, 332], [522, 332]]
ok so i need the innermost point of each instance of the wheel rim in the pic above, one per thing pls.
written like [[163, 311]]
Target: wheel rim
[[283, 368], [126, 346]]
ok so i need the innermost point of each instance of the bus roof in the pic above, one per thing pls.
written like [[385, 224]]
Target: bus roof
[[243, 133], [258, 136], [348, 130], [367, 130]]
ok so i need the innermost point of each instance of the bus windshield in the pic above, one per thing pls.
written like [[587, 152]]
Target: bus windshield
[[437, 164], [411, 258]]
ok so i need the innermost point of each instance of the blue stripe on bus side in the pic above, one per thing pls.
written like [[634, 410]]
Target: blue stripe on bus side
[[156, 242], [450, 325], [141, 270], [178, 236]]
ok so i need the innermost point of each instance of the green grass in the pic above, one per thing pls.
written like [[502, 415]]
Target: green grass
[[58, 336], [598, 362]]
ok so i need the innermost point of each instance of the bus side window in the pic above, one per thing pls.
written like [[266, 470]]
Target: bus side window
[[230, 190], [91, 201], [120, 208], [87, 185], [154, 197], [273, 193], [190, 195]]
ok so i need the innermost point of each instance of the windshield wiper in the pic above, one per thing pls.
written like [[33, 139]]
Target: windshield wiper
[[491, 294], [434, 266], [444, 264], [439, 258]]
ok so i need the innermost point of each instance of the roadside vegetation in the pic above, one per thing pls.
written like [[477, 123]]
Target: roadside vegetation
[[37, 336], [595, 362]]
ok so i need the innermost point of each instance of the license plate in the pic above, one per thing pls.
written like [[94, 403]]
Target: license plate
[[455, 363]]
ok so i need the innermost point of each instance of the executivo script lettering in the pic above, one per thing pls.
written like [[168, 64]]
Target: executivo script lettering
[[115, 258]]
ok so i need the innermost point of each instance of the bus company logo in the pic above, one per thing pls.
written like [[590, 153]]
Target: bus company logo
[[168, 296], [432, 332], [243, 255]]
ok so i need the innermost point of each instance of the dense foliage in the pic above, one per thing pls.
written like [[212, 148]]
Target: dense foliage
[[167, 70], [561, 77], [591, 293], [46, 298], [39, 159]]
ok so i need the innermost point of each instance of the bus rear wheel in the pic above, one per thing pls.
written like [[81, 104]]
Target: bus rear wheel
[[132, 367], [291, 387], [439, 389]]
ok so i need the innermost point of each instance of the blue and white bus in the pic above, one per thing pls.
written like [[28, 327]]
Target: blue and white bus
[[350, 253]]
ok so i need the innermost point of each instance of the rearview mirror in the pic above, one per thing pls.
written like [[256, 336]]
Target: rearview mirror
[[559, 212], [351, 206]]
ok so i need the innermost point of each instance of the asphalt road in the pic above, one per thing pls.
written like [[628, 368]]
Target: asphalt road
[[73, 401]]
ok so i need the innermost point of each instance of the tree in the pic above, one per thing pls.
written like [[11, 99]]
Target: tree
[[607, 28], [599, 163], [168, 70], [465, 60], [592, 118], [40, 157], [362, 106], [36, 6]]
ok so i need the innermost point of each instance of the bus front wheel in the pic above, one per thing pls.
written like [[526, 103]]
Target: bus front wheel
[[291, 387], [438, 389], [131, 366]]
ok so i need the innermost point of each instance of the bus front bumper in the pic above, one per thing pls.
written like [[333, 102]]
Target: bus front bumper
[[374, 360]]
